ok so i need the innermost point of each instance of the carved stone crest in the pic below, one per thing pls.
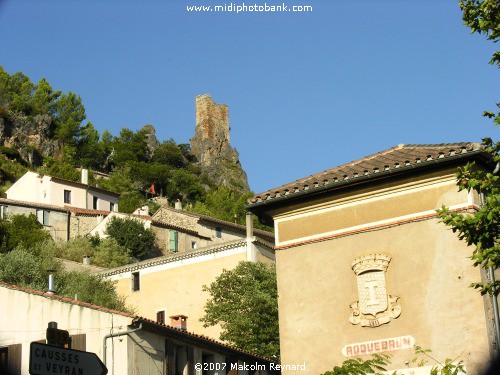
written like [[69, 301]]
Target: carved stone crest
[[374, 307]]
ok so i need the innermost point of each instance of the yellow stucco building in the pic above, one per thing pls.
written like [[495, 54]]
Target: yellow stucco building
[[172, 285], [365, 266]]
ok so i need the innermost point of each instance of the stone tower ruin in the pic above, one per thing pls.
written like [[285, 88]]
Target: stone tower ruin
[[211, 145]]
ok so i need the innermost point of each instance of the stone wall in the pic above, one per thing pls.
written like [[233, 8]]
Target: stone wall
[[81, 225]]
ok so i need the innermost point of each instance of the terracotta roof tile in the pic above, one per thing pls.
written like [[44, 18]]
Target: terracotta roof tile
[[386, 161], [196, 336], [62, 299], [172, 258], [138, 319], [238, 227], [33, 204], [87, 211], [85, 186]]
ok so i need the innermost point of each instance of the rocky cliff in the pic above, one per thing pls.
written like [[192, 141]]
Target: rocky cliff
[[29, 136], [211, 145]]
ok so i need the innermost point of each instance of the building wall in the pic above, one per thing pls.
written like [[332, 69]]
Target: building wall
[[57, 224], [101, 227], [26, 317], [103, 201], [208, 236], [429, 271], [32, 187], [177, 287], [57, 195], [80, 225]]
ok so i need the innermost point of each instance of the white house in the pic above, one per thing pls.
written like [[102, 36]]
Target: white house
[[49, 190], [126, 344]]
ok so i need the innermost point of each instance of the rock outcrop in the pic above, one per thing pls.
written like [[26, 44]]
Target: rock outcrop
[[151, 140], [211, 145], [30, 136]]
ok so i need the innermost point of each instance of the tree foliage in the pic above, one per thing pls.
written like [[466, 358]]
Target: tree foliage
[[358, 366], [244, 301], [483, 17], [481, 229], [131, 234], [134, 160], [23, 231], [378, 363], [102, 252], [448, 367], [27, 267]]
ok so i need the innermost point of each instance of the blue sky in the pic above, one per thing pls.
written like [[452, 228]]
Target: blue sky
[[307, 91]]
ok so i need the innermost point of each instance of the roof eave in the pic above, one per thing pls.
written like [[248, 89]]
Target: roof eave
[[260, 208]]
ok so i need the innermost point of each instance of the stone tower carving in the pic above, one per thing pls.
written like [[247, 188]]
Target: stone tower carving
[[212, 147]]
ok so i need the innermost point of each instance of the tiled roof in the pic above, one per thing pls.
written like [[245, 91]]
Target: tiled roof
[[152, 325], [173, 258], [164, 223], [85, 186], [33, 204], [208, 219], [87, 211], [396, 159], [63, 299], [158, 327]]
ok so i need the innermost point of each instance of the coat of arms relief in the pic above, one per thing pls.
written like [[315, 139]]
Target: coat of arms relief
[[374, 307]]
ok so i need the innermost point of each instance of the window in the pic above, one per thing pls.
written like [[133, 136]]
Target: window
[[94, 202], [218, 232], [43, 216], [67, 196], [111, 206], [160, 317], [135, 281], [10, 359], [193, 245], [174, 241], [4, 211]]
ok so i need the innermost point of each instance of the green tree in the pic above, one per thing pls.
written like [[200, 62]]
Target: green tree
[[244, 301], [131, 234], [69, 115], [110, 254], [89, 153], [358, 366], [224, 204], [23, 231], [448, 367], [28, 268], [44, 98], [102, 252], [91, 289], [129, 146], [481, 229], [169, 153], [63, 169], [24, 268]]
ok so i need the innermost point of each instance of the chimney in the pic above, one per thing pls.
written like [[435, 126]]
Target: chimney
[[249, 224], [178, 204], [85, 176], [86, 260], [51, 282], [179, 322]]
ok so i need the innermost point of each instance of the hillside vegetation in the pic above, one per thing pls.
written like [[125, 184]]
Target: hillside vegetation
[[46, 130]]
